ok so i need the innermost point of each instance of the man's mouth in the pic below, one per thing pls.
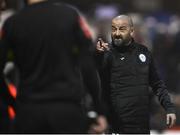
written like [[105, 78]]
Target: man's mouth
[[117, 38], [118, 41]]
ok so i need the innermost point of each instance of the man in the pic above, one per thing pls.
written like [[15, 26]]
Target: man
[[127, 70], [51, 45]]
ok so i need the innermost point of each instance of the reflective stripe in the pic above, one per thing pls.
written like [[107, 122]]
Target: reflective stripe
[[84, 26], [11, 112], [12, 90]]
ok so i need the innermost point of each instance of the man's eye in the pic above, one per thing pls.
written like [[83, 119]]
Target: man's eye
[[122, 29]]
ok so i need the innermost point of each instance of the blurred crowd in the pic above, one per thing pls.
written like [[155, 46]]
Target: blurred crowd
[[158, 30]]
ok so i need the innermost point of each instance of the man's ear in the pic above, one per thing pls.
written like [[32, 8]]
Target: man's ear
[[132, 31]]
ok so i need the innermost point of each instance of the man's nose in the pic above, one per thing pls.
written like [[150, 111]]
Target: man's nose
[[118, 33]]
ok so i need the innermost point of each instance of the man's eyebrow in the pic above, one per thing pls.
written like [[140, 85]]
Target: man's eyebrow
[[119, 26], [123, 27]]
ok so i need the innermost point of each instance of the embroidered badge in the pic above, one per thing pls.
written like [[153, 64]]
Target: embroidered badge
[[142, 57]]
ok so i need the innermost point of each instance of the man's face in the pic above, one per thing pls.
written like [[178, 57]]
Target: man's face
[[121, 32]]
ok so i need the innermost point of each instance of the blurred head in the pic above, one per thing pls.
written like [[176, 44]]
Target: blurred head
[[8, 5], [33, 1], [122, 30]]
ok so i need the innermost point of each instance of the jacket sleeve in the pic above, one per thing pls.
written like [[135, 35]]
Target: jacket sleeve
[[103, 60], [103, 63], [87, 65], [159, 88]]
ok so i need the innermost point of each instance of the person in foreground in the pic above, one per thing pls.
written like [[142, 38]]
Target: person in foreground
[[127, 70], [52, 51]]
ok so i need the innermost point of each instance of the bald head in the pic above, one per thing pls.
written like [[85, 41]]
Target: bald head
[[123, 18], [34, 1]]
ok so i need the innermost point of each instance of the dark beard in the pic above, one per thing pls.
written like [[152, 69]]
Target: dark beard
[[119, 42]]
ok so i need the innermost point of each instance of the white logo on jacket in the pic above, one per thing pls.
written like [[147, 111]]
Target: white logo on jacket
[[142, 57], [122, 58]]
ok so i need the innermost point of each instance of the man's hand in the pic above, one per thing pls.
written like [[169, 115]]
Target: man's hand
[[102, 46], [99, 127], [171, 120]]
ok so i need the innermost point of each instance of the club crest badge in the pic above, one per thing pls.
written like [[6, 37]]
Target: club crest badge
[[142, 57]]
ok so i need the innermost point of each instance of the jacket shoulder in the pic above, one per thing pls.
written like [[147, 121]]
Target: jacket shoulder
[[142, 47]]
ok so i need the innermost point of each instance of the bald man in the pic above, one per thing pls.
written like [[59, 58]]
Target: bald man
[[127, 70]]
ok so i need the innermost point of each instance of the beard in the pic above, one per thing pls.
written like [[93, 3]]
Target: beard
[[120, 42]]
